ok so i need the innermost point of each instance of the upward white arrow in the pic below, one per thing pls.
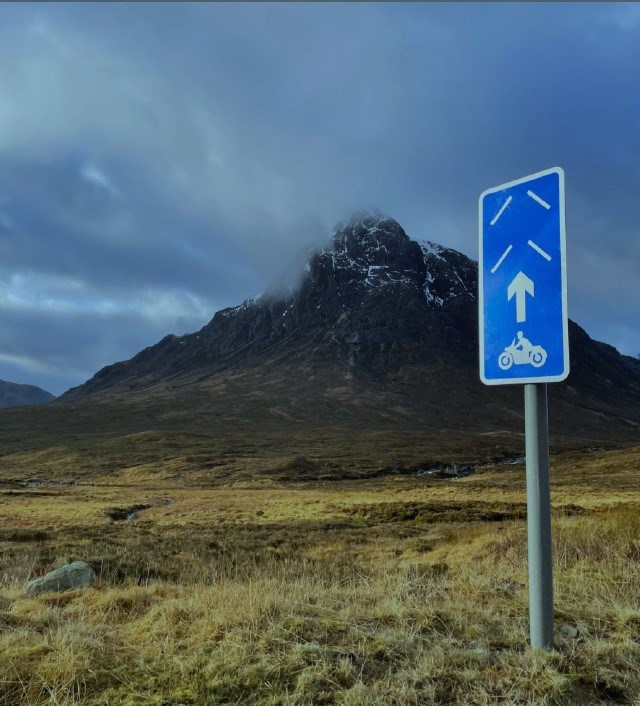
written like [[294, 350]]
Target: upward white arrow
[[520, 286]]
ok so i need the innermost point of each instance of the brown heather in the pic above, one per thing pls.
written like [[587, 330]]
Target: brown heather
[[395, 590]]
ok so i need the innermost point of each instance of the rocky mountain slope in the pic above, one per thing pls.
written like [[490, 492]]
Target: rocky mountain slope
[[370, 363], [374, 303], [14, 395]]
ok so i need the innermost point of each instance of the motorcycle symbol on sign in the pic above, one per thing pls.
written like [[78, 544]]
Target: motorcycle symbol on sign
[[522, 352]]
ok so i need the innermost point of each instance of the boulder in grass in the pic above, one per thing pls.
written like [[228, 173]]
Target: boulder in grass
[[75, 575]]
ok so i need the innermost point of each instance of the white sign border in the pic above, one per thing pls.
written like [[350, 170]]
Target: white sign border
[[563, 269]]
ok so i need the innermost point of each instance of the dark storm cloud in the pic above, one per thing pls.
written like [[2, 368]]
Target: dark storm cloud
[[109, 237], [160, 161]]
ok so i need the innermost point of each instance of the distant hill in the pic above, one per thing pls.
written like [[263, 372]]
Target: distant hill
[[14, 395]]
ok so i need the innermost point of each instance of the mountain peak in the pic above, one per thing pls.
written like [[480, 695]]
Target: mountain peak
[[380, 328], [374, 285], [367, 227], [371, 252], [367, 218]]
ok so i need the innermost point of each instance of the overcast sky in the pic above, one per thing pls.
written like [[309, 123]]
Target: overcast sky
[[160, 162]]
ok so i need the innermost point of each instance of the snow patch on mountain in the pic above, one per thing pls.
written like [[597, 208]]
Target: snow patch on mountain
[[439, 262], [370, 253], [246, 304]]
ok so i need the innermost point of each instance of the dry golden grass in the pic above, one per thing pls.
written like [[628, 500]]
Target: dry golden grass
[[398, 590]]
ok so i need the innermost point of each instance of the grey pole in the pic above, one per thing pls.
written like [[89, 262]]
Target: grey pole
[[538, 516]]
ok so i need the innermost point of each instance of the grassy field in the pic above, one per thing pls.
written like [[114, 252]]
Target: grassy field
[[393, 590]]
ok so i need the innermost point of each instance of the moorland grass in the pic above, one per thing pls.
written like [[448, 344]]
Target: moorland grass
[[394, 591]]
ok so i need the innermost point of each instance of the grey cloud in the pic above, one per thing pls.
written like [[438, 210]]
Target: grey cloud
[[60, 349], [235, 135]]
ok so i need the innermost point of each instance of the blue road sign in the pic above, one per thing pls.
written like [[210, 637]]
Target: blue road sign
[[522, 281]]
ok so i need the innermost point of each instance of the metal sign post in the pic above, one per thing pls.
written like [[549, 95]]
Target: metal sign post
[[538, 516], [524, 339]]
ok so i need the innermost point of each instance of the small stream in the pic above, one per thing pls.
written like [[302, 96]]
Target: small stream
[[453, 471]]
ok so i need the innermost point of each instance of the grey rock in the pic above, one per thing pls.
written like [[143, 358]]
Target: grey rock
[[75, 575], [569, 630], [582, 629]]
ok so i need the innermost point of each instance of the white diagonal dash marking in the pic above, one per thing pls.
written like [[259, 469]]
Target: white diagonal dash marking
[[504, 254], [504, 205], [535, 197], [539, 250]]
